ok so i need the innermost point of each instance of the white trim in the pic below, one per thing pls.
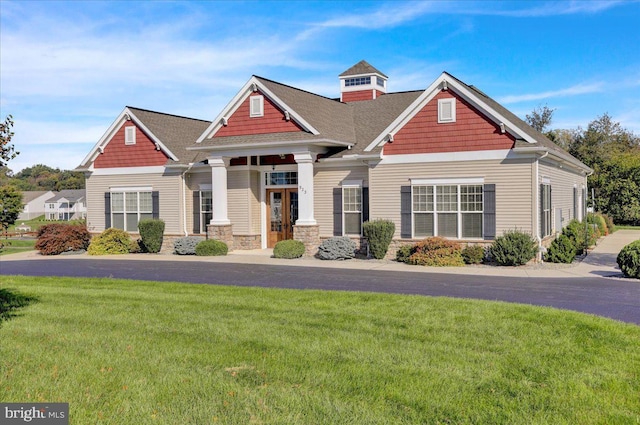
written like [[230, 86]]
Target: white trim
[[498, 154], [128, 170], [132, 189], [256, 106], [351, 183], [545, 180], [446, 181], [205, 186], [451, 101]]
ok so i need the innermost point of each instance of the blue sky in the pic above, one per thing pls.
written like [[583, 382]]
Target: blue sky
[[67, 69]]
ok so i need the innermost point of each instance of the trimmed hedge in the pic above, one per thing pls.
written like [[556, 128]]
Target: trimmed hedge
[[436, 252], [629, 260], [187, 245], [288, 249], [379, 234], [473, 254], [211, 247], [562, 250], [337, 248], [56, 238], [151, 233], [112, 241], [513, 248]]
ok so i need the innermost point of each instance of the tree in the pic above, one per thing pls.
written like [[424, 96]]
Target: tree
[[540, 118], [7, 151], [10, 206]]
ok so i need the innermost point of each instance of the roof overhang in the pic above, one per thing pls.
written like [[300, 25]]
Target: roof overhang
[[558, 155], [271, 148]]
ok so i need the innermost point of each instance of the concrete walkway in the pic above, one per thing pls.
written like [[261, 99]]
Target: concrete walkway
[[601, 261]]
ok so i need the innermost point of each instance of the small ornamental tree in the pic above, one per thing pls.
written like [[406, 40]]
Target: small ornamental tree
[[57, 238], [10, 206], [151, 233], [379, 234]]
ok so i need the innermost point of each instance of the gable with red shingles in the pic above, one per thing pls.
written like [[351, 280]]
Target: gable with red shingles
[[142, 154], [272, 121], [471, 131]]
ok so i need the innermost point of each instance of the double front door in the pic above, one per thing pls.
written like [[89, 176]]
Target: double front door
[[282, 213]]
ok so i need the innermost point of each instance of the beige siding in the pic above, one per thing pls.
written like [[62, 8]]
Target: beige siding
[[254, 202], [563, 180], [513, 180], [238, 201], [325, 180], [168, 186]]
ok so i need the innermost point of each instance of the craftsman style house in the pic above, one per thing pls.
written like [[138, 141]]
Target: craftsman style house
[[279, 163]]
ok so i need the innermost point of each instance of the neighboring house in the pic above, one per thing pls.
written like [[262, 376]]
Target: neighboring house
[[67, 205], [34, 203], [279, 163]]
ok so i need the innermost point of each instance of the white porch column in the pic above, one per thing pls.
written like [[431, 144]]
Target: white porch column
[[305, 162], [219, 190]]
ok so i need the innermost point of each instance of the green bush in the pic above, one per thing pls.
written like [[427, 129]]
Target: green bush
[[211, 247], [629, 260], [514, 248], [337, 248], [610, 224], [288, 249], [599, 221], [473, 254], [436, 251], [56, 238], [379, 234], [151, 233], [112, 241], [403, 253], [562, 250], [575, 231]]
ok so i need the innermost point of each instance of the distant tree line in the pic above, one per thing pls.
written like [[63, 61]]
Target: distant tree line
[[41, 177], [612, 151]]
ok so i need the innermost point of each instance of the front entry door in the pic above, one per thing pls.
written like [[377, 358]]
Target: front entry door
[[282, 213]]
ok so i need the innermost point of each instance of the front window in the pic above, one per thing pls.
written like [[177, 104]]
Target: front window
[[128, 208], [451, 211], [352, 209], [206, 209], [281, 178]]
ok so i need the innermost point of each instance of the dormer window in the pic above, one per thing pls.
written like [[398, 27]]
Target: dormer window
[[358, 81], [380, 81], [447, 110], [129, 135], [256, 104]]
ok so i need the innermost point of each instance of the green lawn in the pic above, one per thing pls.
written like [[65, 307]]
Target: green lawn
[[13, 246], [128, 352]]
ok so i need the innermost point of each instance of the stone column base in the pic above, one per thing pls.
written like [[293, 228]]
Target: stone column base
[[309, 236], [221, 232]]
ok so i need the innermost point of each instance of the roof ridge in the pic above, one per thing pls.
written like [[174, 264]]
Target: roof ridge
[[296, 88], [167, 114]]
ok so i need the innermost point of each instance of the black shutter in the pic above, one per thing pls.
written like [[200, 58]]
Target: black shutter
[[405, 212], [489, 196], [196, 211], [365, 204], [107, 210], [155, 202], [337, 211], [541, 212]]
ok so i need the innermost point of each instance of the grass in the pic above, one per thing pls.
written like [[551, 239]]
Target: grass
[[14, 246], [626, 227], [145, 353]]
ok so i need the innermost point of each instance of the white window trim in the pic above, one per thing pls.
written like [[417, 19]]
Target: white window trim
[[203, 224], [130, 135], [125, 212], [452, 102], [256, 106], [350, 184], [449, 182]]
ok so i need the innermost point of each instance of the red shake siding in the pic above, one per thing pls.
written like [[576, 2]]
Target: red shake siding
[[472, 131], [142, 154], [356, 96], [241, 124]]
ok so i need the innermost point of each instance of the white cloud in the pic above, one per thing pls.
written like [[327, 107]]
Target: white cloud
[[571, 91]]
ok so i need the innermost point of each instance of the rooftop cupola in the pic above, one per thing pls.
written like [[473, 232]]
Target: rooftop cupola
[[362, 82]]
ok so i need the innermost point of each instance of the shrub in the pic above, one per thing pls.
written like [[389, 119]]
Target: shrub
[[403, 253], [629, 260], [288, 249], [436, 251], [187, 245], [338, 248], [211, 247], [610, 224], [514, 248], [379, 234], [151, 232], [473, 254], [56, 238], [575, 231], [598, 220], [112, 241], [562, 250]]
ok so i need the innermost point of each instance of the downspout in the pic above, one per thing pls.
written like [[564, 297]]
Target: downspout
[[184, 199], [537, 209]]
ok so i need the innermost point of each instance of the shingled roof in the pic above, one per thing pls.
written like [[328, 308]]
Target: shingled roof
[[362, 67]]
